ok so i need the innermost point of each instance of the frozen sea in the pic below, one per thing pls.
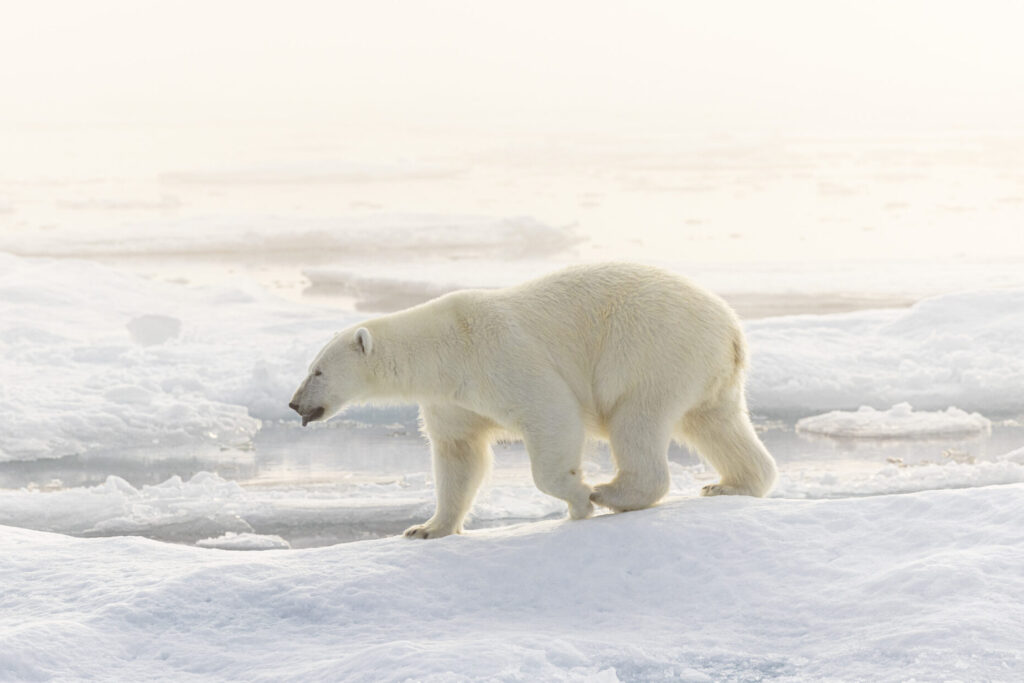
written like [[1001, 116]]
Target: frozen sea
[[159, 305]]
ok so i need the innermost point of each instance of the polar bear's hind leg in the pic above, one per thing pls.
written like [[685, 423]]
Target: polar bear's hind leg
[[639, 445], [725, 438]]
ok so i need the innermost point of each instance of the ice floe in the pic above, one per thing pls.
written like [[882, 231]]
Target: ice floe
[[899, 422]]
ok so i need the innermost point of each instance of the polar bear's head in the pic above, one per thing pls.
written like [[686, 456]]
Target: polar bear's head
[[341, 373]]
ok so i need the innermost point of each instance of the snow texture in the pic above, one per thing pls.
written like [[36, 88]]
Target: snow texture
[[899, 422], [962, 349], [244, 541], [921, 586], [155, 365]]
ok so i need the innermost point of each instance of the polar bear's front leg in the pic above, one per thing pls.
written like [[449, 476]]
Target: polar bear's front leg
[[459, 469]]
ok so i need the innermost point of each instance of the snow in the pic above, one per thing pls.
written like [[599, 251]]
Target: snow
[[952, 470], [245, 541], [157, 365], [963, 349], [926, 585], [851, 570], [899, 422]]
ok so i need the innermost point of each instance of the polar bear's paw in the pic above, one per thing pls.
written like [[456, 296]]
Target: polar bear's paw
[[429, 529], [581, 510], [621, 498], [723, 490]]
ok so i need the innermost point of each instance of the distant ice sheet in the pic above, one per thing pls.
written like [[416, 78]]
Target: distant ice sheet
[[322, 171], [899, 422], [385, 236]]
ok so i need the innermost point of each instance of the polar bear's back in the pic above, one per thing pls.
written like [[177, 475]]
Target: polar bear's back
[[611, 329]]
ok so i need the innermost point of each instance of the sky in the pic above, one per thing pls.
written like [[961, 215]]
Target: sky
[[788, 66]]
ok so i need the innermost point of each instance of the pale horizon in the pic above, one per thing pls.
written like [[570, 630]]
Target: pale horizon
[[656, 68]]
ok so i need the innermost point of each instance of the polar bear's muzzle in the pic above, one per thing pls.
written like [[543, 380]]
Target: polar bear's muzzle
[[311, 416], [308, 403]]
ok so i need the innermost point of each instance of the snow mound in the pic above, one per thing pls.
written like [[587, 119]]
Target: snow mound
[[961, 349], [94, 360], [899, 422], [244, 541], [930, 585]]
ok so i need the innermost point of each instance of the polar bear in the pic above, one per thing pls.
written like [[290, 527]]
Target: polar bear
[[622, 352]]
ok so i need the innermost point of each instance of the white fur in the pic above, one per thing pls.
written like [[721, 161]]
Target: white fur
[[621, 352]]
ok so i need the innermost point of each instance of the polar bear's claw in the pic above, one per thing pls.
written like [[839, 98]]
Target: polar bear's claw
[[428, 531], [722, 490]]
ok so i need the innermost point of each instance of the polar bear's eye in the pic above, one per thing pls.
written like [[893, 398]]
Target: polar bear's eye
[[317, 373]]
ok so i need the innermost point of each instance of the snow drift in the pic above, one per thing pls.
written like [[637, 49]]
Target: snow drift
[[927, 585], [94, 360], [964, 350]]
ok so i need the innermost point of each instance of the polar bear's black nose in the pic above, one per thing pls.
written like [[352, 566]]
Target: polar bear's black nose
[[294, 406]]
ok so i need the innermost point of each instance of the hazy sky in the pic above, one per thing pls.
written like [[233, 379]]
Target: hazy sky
[[792, 65]]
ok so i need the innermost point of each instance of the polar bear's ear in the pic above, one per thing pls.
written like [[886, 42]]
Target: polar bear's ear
[[364, 340]]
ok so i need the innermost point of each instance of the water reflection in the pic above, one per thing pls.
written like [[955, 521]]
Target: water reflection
[[283, 454]]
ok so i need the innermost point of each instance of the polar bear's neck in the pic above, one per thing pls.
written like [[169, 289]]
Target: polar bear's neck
[[417, 353]]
